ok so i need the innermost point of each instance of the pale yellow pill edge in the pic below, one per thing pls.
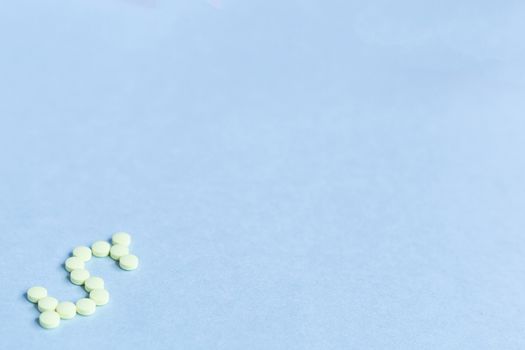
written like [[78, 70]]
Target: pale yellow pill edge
[[31, 297], [51, 307], [81, 311], [115, 254], [82, 256], [88, 284], [78, 281], [96, 300], [122, 238], [44, 317], [71, 268], [100, 253], [129, 267], [63, 315]]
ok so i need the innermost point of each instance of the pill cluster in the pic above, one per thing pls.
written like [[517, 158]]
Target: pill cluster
[[52, 311]]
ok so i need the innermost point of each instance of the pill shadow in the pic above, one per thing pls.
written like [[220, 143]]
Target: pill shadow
[[23, 296], [37, 323]]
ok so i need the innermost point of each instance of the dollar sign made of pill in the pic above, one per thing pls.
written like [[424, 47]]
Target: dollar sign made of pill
[[52, 311]]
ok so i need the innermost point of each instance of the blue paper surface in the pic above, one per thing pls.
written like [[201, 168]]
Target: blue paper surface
[[295, 174]]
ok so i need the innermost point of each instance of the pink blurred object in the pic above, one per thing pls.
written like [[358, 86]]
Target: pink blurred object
[[216, 3]]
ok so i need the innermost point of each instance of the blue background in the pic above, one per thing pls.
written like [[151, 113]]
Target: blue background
[[296, 174]]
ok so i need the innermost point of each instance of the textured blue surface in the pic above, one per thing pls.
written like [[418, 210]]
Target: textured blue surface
[[296, 174]]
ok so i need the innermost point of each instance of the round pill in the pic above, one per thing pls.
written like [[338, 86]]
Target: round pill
[[47, 304], [74, 263], [118, 250], [79, 276], [67, 310], [86, 307], [93, 283], [129, 262], [49, 319], [83, 253], [99, 296], [34, 294], [121, 238], [101, 249]]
